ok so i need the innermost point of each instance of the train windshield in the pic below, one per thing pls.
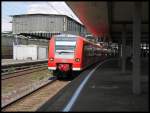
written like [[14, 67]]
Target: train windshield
[[65, 47]]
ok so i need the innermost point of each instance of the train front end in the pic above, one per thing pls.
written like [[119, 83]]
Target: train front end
[[63, 55]]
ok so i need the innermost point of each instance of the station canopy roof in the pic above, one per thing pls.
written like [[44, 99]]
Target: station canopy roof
[[106, 18]]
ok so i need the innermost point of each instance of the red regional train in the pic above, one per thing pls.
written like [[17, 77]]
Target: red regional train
[[69, 53]]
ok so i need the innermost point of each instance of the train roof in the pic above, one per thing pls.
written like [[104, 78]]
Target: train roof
[[95, 44], [75, 36]]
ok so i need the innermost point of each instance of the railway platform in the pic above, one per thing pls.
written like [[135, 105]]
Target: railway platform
[[102, 87], [6, 62]]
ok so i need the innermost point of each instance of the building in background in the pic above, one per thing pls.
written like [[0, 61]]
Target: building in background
[[45, 25], [8, 39], [37, 29]]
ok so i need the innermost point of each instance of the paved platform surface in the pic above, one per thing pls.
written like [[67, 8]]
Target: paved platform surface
[[106, 90], [11, 61]]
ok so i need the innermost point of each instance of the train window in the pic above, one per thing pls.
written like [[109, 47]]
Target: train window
[[65, 49], [59, 48], [88, 50]]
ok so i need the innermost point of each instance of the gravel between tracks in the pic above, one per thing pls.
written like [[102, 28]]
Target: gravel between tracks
[[38, 98], [21, 81], [15, 87]]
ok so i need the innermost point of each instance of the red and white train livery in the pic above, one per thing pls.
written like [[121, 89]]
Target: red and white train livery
[[69, 53]]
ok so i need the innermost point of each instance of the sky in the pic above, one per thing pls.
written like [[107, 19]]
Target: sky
[[15, 8]]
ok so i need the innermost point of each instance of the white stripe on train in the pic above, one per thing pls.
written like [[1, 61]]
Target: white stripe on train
[[54, 68]]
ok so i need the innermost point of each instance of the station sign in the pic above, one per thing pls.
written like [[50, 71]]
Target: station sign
[[65, 38]]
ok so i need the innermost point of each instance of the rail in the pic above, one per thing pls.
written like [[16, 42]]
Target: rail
[[32, 89], [15, 68]]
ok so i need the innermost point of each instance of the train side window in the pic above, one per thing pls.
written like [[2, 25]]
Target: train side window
[[87, 50]]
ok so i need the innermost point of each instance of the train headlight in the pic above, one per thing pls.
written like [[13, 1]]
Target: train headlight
[[51, 59], [77, 60]]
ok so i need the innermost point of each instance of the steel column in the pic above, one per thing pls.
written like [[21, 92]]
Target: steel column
[[136, 47], [123, 48]]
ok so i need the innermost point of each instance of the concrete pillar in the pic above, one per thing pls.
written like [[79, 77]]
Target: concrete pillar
[[120, 54], [16, 40], [123, 48], [136, 47], [104, 39]]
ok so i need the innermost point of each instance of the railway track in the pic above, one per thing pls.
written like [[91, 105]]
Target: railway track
[[13, 68], [36, 98], [48, 90], [16, 71], [4, 106]]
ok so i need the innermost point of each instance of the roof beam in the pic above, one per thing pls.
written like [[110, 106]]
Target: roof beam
[[128, 22]]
